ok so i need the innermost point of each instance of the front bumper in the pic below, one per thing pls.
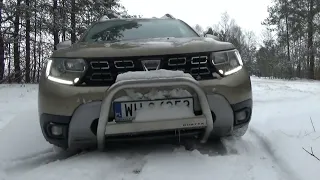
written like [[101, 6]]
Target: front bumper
[[83, 125], [89, 123]]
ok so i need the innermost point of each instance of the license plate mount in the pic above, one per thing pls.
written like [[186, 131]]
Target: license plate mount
[[125, 111]]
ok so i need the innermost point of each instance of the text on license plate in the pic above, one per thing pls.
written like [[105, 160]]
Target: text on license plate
[[124, 111]]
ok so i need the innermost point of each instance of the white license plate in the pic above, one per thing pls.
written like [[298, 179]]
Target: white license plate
[[126, 111]]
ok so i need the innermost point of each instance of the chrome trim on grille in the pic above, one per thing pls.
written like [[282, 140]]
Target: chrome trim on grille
[[197, 69], [101, 79], [100, 63], [199, 61], [124, 61], [178, 64]]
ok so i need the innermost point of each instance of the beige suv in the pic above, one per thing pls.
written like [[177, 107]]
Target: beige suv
[[137, 79]]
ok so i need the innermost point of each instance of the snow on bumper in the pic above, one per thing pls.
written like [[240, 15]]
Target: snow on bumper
[[103, 128]]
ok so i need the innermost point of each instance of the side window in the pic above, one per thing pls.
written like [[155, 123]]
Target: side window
[[183, 31]]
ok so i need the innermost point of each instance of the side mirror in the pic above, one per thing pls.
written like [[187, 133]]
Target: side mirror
[[212, 36], [63, 44]]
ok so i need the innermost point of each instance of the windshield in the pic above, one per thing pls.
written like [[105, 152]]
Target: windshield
[[117, 30]]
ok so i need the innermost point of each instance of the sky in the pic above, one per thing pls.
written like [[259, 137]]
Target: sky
[[247, 13]]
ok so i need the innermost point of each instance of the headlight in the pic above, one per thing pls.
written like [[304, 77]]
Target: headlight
[[227, 62], [65, 71]]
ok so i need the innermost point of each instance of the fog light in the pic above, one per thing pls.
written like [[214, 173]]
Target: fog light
[[242, 115], [56, 130]]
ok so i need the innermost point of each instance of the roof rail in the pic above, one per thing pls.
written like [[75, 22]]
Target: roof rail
[[167, 16], [112, 15], [104, 18]]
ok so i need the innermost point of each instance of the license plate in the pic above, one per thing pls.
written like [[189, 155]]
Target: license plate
[[126, 111]]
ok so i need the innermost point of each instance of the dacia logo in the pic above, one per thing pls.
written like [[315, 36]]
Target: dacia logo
[[149, 65]]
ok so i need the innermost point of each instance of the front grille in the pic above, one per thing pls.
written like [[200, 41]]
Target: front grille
[[99, 65], [104, 71], [198, 65], [124, 64], [101, 77], [177, 61], [199, 60], [199, 71]]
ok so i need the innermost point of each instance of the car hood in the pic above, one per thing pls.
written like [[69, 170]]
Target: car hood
[[147, 47]]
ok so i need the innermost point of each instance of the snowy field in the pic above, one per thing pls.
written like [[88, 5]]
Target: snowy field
[[281, 127]]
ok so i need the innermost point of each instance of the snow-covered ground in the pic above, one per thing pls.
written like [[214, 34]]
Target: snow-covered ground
[[271, 150]]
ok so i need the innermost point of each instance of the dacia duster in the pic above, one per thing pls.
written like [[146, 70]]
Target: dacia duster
[[85, 92]]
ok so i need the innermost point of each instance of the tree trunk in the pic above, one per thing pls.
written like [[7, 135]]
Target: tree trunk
[[299, 59], [1, 47], [73, 21], [16, 53], [28, 42], [40, 50], [35, 47], [1, 57], [55, 27], [9, 63], [310, 40], [288, 46], [64, 20]]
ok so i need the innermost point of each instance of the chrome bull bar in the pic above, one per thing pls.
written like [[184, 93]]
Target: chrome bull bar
[[151, 83]]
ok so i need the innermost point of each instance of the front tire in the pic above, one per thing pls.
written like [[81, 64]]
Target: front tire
[[58, 149], [239, 132], [65, 152]]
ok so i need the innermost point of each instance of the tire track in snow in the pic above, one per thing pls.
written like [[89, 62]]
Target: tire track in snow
[[213, 147], [136, 156], [132, 166], [24, 164], [284, 168], [135, 159]]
